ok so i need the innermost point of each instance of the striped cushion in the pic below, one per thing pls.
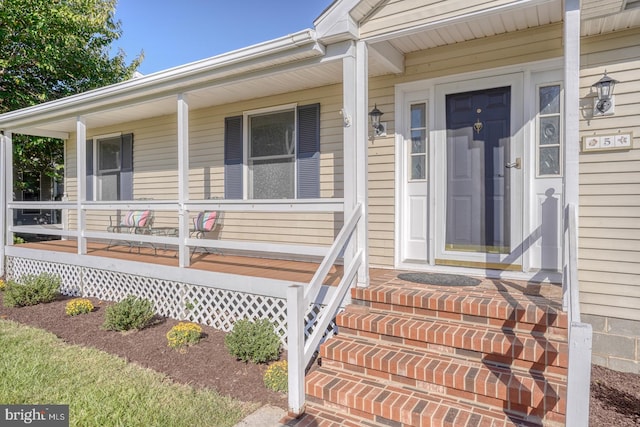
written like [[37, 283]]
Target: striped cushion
[[205, 221], [135, 218]]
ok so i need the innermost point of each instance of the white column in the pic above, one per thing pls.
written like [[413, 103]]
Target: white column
[[350, 137], [362, 157], [3, 201], [571, 119], [183, 177], [8, 187], [81, 182]]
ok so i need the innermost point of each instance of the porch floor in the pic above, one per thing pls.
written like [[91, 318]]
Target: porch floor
[[542, 294]]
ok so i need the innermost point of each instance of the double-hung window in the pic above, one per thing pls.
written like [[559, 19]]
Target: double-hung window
[[273, 154], [110, 168]]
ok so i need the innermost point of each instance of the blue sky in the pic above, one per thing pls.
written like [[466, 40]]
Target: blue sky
[[176, 32]]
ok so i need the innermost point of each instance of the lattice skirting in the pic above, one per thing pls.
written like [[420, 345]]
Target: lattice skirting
[[218, 308]]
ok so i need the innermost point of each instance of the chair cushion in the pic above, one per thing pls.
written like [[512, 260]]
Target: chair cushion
[[205, 221], [135, 218]]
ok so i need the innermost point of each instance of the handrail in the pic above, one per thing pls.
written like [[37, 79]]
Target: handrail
[[298, 301], [573, 292], [580, 334], [311, 292]]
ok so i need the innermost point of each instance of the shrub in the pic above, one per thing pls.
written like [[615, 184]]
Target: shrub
[[78, 306], [17, 240], [184, 334], [32, 289], [253, 341], [130, 313], [276, 378]]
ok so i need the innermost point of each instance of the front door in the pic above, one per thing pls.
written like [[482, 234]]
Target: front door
[[479, 214]]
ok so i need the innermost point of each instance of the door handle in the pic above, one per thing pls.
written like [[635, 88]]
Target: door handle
[[517, 164]]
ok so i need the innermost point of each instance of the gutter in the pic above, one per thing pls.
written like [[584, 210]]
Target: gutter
[[156, 82]]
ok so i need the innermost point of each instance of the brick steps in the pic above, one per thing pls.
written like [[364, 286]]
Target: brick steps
[[485, 383], [419, 355], [528, 351], [393, 404]]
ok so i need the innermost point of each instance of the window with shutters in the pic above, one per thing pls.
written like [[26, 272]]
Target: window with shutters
[[273, 153], [110, 167]]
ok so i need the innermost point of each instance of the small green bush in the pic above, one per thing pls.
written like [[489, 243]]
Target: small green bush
[[32, 289], [253, 341], [130, 313], [277, 377]]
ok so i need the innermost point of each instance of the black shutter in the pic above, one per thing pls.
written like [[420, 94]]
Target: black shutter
[[233, 158], [126, 169], [308, 151], [89, 167]]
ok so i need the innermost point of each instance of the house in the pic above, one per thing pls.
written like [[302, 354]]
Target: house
[[496, 154]]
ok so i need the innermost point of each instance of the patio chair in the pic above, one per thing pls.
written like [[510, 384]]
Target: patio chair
[[133, 222], [206, 222]]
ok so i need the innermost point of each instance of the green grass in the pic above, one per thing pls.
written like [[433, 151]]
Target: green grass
[[101, 389]]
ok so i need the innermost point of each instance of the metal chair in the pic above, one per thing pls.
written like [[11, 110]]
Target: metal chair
[[206, 222]]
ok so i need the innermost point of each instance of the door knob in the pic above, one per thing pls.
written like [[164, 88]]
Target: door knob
[[517, 164]]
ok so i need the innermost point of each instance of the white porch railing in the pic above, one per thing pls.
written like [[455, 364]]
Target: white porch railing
[[580, 335], [299, 298]]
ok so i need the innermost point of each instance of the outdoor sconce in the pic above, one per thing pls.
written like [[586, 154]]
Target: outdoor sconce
[[603, 104], [379, 129]]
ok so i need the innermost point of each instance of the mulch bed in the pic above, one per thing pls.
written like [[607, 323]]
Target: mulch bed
[[207, 364], [615, 396]]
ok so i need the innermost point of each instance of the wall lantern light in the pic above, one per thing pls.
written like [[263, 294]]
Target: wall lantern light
[[379, 129], [603, 104]]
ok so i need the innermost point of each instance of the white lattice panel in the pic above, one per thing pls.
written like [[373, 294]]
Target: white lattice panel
[[70, 274], [112, 286], [222, 308]]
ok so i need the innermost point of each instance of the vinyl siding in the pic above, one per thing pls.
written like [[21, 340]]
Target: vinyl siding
[[609, 243], [156, 169]]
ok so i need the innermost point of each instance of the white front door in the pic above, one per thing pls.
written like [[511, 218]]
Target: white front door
[[478, 161]]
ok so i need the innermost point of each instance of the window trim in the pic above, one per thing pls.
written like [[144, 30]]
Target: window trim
[[246, 146], [96, 164]]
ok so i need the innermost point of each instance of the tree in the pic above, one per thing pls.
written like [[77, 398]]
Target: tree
[[50, 49]]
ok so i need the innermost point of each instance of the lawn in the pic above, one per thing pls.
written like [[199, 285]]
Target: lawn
[[38, 368]]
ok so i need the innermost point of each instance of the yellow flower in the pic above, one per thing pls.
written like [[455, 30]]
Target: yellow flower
[[184, 334], [78, 306]]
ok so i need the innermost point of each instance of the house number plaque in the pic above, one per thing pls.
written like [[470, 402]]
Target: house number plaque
[[620, 141]]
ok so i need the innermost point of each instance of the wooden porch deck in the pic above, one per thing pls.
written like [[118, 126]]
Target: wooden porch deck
[[294, 271], [545, 294]]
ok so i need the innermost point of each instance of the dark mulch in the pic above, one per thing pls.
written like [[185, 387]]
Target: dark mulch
[[207, 364], [615, 396]]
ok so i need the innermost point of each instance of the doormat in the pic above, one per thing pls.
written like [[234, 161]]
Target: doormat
[[439, 279]]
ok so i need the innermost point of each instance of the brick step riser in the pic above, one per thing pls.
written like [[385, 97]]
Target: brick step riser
[[517, 311], [505, 348], [393, 405], [428, 315], [518, 400]]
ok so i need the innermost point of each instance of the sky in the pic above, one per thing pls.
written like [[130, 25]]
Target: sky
[[176, 32]]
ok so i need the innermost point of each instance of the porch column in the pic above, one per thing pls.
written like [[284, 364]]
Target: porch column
[[183, 178], [8, 187], [362, 156], [4, 211], [355, 136], [81, 182], [571, 121]]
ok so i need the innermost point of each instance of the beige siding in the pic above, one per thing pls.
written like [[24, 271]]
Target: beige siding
[[156, 168], [503, 50], [403, 14], [610, 184]]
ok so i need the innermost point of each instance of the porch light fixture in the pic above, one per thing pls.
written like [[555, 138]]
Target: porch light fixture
[[603, 103], [379, 129]]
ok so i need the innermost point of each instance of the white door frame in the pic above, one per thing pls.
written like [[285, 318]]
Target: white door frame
[[519, 77]]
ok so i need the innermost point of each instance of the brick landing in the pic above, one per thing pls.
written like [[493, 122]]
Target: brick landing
[[412, 354]]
